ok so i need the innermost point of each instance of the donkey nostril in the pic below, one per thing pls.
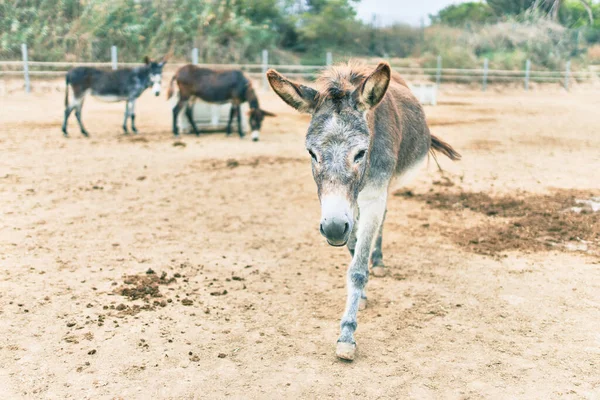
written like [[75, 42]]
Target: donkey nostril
[[346, 227], [322, 231]]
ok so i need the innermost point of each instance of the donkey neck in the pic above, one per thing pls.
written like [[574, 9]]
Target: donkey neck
[[251, 98], [143, 74]]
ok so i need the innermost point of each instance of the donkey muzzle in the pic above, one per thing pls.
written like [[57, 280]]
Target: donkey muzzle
[[336, 223], [336, 231]]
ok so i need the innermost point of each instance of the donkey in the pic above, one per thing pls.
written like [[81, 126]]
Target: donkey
[[217, 87], [366, 128], [120, 85]]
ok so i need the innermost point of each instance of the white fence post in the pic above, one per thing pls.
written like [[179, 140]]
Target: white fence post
[[328, 59], [527, 69], [195, 55], [113, 56], [567, 73], [25, 68], [265, 66], [485, 73], [438, 73]]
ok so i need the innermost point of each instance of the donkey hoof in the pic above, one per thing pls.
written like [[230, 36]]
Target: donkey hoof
[[362, 304], [378, 271], [345, 351]]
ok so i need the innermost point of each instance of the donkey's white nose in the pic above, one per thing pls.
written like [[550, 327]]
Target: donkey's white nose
[[336, 230], [336, 220], [255, 136]]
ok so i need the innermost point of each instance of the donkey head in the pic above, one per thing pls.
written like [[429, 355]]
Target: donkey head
[[256, 116], [338, 140], [155, 73]]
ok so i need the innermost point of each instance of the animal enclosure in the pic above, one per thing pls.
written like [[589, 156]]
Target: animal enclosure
[[143, 266]]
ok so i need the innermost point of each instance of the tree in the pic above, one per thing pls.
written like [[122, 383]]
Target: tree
[[461, 14], [510, 7]]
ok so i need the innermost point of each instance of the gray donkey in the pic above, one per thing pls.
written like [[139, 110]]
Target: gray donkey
[[366, 128], [121, 85]]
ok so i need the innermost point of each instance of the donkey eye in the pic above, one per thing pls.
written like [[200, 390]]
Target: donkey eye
[[359, 156], [314, 157]]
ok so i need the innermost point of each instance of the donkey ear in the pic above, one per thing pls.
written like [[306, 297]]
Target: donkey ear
[[146, 60], [302, 98], [267, 113], [373, 88]]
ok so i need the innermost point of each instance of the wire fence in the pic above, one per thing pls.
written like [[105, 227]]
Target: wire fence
[[437, 75]]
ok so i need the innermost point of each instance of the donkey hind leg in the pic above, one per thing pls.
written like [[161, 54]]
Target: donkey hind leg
[[182, 101], [75, 104], [78, 116], [371, 203], [378, 267], [239, 120], [126, 117], [68, 110], [189, 113]]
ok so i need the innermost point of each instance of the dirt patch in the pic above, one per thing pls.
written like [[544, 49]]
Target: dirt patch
[[144, 286], [214, 164], [453, 103], [526, 222], [484, 144], [448, 122]]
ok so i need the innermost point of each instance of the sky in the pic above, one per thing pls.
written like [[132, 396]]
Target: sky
[[407, 11]]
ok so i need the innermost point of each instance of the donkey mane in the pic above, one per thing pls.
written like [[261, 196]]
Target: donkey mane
[[341, 80]]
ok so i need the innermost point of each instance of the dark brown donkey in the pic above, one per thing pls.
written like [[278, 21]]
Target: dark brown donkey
[[229, 86], [366, 128]]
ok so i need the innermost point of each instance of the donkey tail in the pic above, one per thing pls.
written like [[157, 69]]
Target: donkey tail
[[171, 87], [440, 146], [67, 91]]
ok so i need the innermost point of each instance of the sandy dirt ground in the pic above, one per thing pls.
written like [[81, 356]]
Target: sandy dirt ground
[[133, 268]]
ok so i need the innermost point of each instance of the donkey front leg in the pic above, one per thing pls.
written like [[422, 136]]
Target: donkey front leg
[[231, 114], [239, 120], [371, 203], [126, 117], [362, 304], [132, 114]]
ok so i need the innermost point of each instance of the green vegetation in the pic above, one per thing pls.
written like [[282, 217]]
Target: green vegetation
[[465, 13], [227, 31]]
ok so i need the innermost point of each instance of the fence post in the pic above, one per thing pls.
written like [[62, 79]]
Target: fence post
[[329, 59], [485, 73], [438, 74], [195, 55], [113, 56], [25, 68], [567, 73], [527, 69], [265, 66]]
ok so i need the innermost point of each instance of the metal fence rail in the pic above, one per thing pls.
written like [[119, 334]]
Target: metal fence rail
[[438, 74]]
